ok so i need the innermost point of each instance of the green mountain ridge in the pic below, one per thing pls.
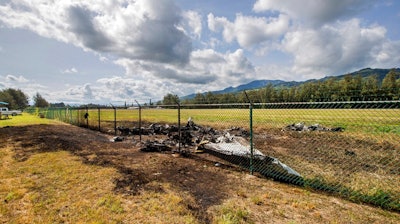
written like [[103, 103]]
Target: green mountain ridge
[[257, 84]]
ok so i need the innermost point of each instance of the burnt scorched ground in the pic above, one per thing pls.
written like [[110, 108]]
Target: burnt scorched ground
[[196, 176]]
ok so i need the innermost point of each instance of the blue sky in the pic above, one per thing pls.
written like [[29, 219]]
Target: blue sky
[[116, 51]]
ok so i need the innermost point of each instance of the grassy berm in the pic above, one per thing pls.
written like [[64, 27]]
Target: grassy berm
[[57, 173]]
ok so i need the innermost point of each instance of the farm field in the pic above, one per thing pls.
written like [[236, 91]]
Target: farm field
[[54, 173]]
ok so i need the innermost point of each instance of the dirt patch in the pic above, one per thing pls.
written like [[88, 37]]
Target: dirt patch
[[203, 184], [197, 177]]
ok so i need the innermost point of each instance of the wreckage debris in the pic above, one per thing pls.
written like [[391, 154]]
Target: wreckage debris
[[236, 150], [300, 127], [230, 145], [153, 129], [117, 139], [155, 147], [123, 130]]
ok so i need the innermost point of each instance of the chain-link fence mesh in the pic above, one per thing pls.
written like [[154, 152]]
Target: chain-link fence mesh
[[350, 149]]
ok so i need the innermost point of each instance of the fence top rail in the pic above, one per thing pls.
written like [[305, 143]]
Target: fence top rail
[[332, 102], [236, 104]]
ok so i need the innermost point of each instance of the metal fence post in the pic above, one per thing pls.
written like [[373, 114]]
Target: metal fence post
[[98, 116], [179, 125], [79, 117], [251, 134], [251, 139], [87, 117], [115, 119], [140, 121]]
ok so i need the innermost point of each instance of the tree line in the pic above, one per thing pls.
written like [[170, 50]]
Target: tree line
[[349, 88], [18, 100]]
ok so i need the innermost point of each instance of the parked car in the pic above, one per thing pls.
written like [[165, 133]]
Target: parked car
[[4, 111]]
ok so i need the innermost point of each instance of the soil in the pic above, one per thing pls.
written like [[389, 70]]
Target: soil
[[204, 177], [194, 174]]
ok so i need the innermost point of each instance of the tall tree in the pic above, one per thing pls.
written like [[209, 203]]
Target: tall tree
[[39, 101], [170, 99], [21, 99], [389, 84], [370, 88], [199, 98], [210, 98], [269, 94], [7, 98], [15, 98]]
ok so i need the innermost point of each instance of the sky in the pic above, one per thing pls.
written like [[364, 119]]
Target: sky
[[117, 51]]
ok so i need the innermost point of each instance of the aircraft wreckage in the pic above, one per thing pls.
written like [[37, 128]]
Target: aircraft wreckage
[[230, 145]]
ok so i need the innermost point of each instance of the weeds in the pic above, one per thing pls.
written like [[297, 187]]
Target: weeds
[[231, 214], [379, 197]]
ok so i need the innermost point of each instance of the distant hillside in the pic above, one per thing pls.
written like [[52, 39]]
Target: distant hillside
[[251, 85], [381, 73]]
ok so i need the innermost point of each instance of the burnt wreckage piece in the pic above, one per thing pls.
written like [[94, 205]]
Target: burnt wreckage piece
[[236, 150], [315, 127], [230, 145]]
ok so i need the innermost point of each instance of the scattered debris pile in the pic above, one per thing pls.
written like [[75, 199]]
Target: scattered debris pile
[[314, 127], [230, 144]]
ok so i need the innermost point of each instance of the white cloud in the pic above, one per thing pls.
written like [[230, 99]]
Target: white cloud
[[16, 79], [70, 71], [314, 12], [152, 41], [192, 20], [388, 55], [205, 67], [121, 89], [143, 29], [249, 31], [332, 49]]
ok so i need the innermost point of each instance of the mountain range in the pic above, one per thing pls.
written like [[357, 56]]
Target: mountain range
[[256, 84]]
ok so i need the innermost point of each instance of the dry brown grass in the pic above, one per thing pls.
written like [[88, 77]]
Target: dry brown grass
[[56, 187]]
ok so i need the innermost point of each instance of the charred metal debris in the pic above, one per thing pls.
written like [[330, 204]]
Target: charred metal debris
[[230, 145], [300, 127]]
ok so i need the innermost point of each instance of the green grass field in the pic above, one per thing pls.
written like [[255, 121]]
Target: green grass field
[[26, 119], [353, 120], [358, 121]]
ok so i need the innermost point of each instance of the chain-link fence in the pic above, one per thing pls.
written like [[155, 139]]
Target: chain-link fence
[[350, 149]]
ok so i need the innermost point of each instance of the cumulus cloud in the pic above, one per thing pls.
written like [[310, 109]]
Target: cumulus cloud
[[151, 71], [192, 22], [142, 29], [249, 31], [387, 55], [314, 12], [205, 66], [122, 89], [70, 71], [78, 93], [152, 41], [336, 48], [16, 79]]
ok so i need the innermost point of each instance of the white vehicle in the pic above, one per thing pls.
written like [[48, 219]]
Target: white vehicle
[[6, 112]]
